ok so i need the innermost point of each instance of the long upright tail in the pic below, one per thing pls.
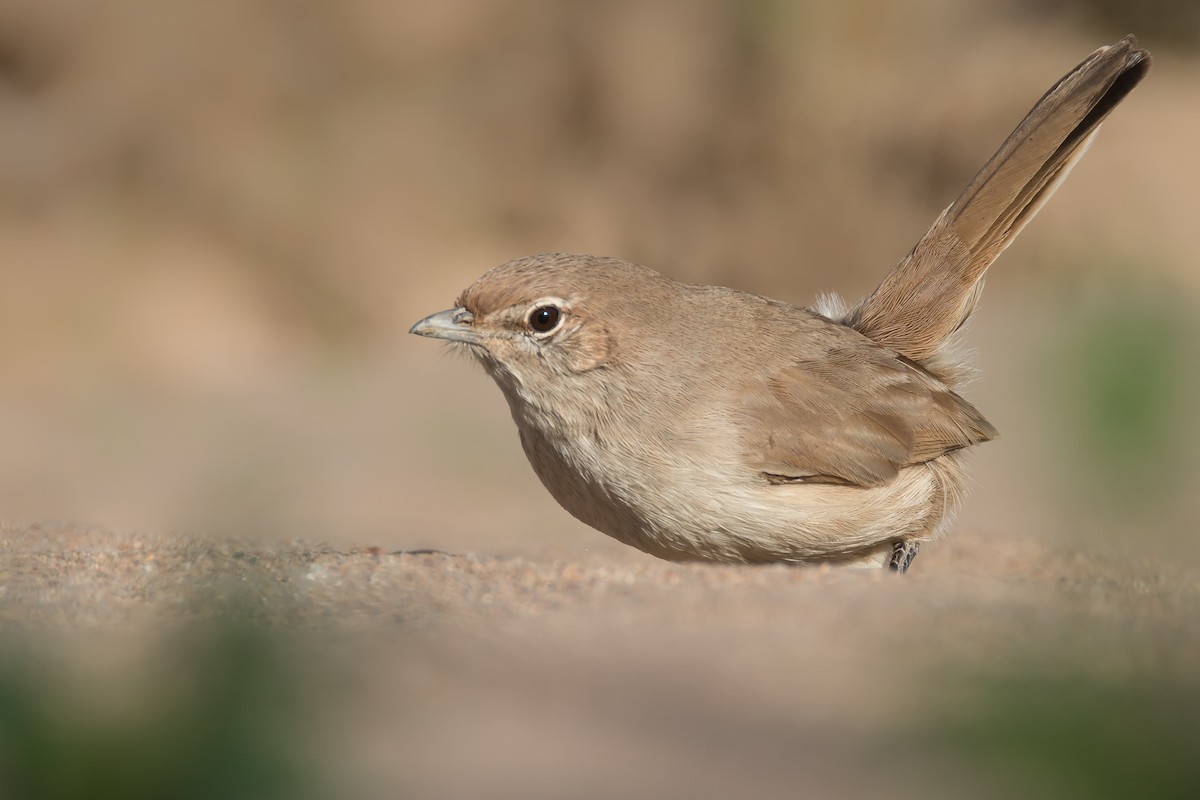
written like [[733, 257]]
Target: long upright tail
[[934, 289]]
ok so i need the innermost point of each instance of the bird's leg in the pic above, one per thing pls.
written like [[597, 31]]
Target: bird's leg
[[903, 554]]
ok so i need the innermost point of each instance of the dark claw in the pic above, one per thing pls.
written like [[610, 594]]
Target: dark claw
[[903, 554]]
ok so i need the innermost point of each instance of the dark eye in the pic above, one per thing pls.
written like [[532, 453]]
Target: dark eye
[[544, 319]]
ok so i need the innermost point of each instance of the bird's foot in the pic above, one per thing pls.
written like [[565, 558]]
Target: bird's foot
[[903, 554]]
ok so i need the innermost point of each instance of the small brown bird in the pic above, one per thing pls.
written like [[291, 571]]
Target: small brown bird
[[704, 423]]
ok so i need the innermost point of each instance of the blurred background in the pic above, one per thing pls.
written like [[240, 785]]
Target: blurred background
[[218, 220]]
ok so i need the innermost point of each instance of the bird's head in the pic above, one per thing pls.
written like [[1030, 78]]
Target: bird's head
[[541, 325]]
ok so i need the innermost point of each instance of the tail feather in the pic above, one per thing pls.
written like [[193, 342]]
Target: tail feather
[[934, 289]]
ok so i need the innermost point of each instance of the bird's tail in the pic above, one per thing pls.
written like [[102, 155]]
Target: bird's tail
[[934, 289]]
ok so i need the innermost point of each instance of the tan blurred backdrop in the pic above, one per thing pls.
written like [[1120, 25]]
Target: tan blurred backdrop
[[218, 219]]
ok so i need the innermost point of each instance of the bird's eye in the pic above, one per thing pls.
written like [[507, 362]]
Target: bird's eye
[[544, 319]]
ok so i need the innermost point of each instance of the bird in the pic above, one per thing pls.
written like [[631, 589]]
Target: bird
[[704, 423]]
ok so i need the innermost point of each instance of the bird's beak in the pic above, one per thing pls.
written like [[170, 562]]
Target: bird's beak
[[453, 324]]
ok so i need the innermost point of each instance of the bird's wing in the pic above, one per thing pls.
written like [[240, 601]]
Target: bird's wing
[[854, 415]]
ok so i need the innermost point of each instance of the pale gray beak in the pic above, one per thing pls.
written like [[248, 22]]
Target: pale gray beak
[[453, 324]]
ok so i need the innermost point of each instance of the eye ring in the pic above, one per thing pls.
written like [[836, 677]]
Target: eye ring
[[544, 318]]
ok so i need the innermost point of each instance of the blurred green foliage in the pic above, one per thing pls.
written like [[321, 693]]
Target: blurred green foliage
[[1125, 380], [1035, 734], [219, 717]]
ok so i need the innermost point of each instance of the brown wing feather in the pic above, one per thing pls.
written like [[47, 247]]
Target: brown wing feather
[[855, 415]]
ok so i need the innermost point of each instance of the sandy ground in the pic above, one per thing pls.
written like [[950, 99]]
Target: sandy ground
[[457, 675]]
